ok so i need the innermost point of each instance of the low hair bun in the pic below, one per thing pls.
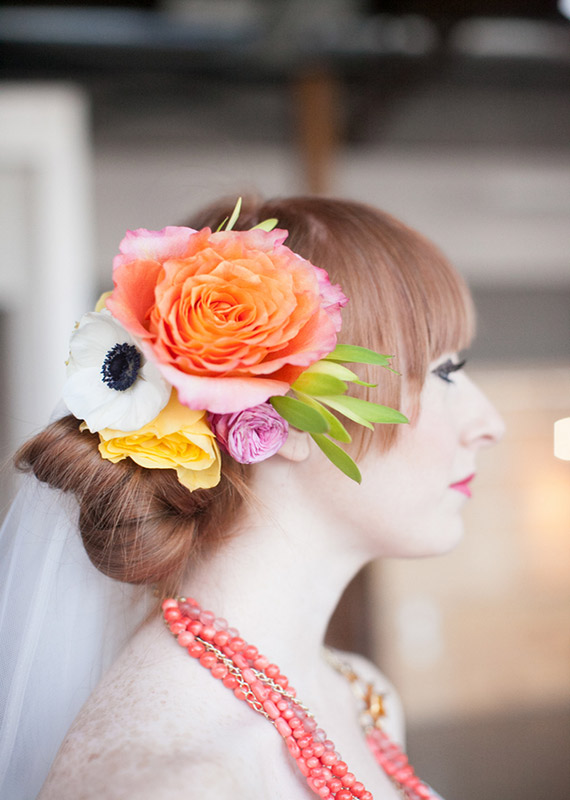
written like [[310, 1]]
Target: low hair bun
[[138, 525]]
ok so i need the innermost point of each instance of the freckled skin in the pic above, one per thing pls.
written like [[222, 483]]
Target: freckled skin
[[159, 724]]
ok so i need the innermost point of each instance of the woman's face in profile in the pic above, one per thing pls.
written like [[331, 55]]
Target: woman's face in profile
[[411, 498]]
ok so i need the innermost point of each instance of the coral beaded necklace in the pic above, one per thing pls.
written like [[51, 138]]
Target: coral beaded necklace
[[253, 679]]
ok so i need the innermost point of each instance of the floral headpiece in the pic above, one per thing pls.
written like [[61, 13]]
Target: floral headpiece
[[215, 339]]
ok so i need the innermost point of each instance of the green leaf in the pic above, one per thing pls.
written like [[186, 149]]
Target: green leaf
[[221, 225], [315, 383], [336, 403], [299, 414], [266, 224], [358, 355], [235, 215], [336, 428], [337, 371], [338, 456], [358, 382], [372, 412]]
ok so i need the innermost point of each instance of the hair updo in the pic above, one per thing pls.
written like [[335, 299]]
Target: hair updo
[[141, 525]]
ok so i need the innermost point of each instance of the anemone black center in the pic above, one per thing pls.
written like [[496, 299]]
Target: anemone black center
[[121, 366]]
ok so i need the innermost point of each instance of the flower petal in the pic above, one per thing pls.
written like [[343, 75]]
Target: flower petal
[[255, 238], [222, 395], [95, 335], [133, 294], [89, 399], [199, 479], [145, 245], [333, 298]]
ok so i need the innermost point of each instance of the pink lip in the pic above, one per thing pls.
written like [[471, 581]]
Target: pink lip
[[463, 486]]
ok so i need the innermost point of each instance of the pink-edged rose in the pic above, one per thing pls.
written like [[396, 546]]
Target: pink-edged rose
[[332, 298], [145, 245], [230, 318], [252, 435]]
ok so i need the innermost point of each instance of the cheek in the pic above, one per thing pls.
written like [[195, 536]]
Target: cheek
[[430, 445]]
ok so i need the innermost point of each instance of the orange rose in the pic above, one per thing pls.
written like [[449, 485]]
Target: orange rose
[[230, 318]]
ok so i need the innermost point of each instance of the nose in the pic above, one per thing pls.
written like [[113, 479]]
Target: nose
[[484, 425]]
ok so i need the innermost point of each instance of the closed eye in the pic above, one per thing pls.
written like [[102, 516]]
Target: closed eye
[[444, 370]]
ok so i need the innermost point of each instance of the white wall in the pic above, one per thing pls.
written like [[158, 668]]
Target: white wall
[[46, 274]]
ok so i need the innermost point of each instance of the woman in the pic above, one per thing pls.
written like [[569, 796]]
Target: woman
[[270, 545]]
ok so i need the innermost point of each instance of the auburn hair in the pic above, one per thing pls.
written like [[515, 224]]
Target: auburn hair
[[141, 525]]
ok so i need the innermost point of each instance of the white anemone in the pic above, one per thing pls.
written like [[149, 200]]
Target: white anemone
[[110, 383]]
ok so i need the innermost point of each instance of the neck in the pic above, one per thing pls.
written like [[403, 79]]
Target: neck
[[278, 580]]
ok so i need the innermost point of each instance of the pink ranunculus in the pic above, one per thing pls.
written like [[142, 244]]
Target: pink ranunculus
[[230, 318], [252, 435]]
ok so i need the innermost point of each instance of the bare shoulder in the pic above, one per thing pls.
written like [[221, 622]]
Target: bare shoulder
[[153, 728], [140, 773], [394, 722]]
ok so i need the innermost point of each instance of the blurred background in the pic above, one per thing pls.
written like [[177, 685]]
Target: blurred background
[[454, 116]]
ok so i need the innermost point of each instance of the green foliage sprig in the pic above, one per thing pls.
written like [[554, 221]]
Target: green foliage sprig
[[321, 390]]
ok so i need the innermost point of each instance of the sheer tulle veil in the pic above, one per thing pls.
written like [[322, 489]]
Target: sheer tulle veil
[[62, 623]]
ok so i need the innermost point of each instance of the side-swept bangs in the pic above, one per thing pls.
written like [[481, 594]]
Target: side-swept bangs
[[405, 298]]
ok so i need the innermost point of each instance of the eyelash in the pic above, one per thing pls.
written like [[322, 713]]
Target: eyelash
[[444, 370]]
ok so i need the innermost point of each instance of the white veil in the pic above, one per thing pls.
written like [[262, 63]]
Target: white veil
[[62, 623]]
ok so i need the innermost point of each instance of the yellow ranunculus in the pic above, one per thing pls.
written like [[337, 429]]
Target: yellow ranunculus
[[178, 438]]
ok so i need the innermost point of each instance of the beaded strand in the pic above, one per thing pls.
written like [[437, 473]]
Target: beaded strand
[[256, 681]]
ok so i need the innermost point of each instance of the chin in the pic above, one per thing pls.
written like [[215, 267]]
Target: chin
[[448, 538], [437, 540]]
